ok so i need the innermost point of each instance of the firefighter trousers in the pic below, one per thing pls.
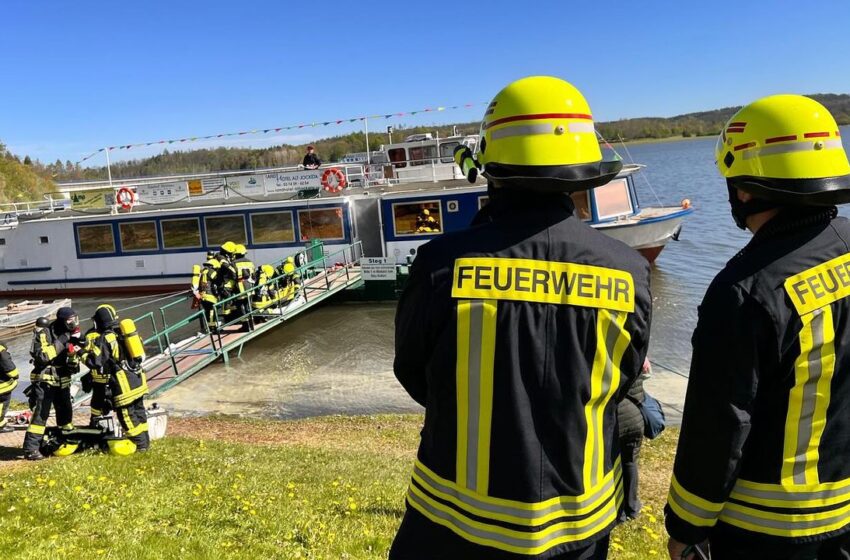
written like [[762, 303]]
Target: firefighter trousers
[[5, 401], [134, 422], [44, 397], [100, 406]]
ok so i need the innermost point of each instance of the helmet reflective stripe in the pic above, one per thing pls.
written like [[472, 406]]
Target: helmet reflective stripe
[[777, 149], [528, 129]]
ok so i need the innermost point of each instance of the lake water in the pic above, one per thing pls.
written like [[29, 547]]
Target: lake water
[[338, 358]]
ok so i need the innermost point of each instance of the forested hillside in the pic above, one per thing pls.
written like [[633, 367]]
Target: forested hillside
[[19, 180], [24, 176]]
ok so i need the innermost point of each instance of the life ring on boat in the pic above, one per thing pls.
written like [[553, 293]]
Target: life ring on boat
[[333, 180], [125, 197]]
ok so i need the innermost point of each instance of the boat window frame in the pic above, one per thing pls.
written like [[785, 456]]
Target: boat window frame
[[88, 254], [450, 157], [271, 213], [597, 216], [201, 235], [206, 236], [342, 217], [481, 201], [417, 202], [397, 164], [425, 159], [137, 222]]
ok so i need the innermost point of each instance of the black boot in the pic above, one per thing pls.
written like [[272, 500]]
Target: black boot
[[34, 456]]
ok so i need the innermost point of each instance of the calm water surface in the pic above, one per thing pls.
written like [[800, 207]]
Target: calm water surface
[[338, 359]]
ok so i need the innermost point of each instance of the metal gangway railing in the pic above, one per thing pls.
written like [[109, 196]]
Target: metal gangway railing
[[182, 351]]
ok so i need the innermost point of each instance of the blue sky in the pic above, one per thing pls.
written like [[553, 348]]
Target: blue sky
[[80, 75]]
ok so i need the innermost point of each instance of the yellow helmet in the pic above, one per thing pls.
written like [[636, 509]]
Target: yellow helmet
[[538, 133], [240, 251], [268, 270], [121, 447], [290, 259], [66, 449], [228, 248], [785, 148]]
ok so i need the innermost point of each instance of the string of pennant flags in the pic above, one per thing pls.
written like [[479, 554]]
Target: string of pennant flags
[[277, 129]]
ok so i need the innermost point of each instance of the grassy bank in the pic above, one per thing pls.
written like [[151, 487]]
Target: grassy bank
[[219, 488]]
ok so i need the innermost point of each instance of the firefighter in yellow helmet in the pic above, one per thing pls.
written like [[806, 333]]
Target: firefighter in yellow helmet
[[118, 354], [519, 335], [763, 464], [243, 268], [8, 382]]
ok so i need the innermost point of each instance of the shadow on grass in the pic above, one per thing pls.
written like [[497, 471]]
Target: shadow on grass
[[10, 453]]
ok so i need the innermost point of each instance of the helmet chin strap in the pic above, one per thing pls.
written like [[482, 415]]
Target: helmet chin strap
[[743, 210]]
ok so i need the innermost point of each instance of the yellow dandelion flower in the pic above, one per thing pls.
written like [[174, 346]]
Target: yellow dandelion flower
[[51, 483], [78, 488], [58, 506], [86, 506], [290, 485]]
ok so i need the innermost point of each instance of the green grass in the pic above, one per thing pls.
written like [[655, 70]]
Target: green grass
[[219, 488]]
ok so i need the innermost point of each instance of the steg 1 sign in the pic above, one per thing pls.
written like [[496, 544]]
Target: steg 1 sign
[[378, 268]]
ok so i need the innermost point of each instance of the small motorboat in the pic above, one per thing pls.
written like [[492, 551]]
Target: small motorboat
[[17, 317]]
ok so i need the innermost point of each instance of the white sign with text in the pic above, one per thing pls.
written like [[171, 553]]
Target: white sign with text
[[378, 268]]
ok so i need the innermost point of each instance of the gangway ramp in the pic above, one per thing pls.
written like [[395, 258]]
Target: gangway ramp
[[179, 357]]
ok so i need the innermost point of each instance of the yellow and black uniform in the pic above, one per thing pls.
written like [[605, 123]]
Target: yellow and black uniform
[[127, 379], [518, 336], [763, 464], [8, 382], [244, 273], [55, 357], [101, 396], [208, 290]]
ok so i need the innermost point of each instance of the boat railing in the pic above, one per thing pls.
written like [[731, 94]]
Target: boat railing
[[167, 337]]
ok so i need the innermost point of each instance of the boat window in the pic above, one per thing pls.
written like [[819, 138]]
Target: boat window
[[581, 201], [420, 155], [96, 239], [2, 240], [138, 236], [613, 199], [321, 223], [398, 157], [272, 227], [43, 240], [417, 218], [447, 151], [221, 229], [183, 233], [483, 201]]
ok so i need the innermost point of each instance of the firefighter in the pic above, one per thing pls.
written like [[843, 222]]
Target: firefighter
[[8, 382], [244, 271], [763, 462], [223, 278], [207, 289], [426, 223], [54, 352], [95, 380], [290, 281], [118, 354], [519, 336]]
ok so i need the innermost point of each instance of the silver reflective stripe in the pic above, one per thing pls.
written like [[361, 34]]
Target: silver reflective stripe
[[733, 513], [522, 130], [473, 502], [807, 145], [793, 497], [810, 396], [691, 508], [473, 406], [580, 127], [510, 538]]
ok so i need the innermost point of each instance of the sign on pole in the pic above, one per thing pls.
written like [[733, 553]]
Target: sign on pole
[[377, 268]]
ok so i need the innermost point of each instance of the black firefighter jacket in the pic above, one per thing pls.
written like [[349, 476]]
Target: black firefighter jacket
[[518, 335], [764, 452]]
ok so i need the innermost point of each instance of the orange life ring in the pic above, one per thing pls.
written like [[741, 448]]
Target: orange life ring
[[338, 184], [125, 198]]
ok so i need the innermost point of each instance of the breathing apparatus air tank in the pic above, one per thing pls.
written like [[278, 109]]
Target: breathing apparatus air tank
[[132, 341]]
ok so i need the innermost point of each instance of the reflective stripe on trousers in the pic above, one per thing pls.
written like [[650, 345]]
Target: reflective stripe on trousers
[[476, 345], [809, 399], [612, 339]]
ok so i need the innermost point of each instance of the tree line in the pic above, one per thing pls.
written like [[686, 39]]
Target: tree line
[[26, 177]]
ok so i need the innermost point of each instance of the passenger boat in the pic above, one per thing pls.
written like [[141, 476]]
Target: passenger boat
[[143, 235], [17, 317]]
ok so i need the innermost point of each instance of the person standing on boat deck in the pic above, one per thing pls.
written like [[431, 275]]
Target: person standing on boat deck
[[8, 382], [631, 426], [311, 159], [518, 336], [54, 352], [128, 383], [763, 464]]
